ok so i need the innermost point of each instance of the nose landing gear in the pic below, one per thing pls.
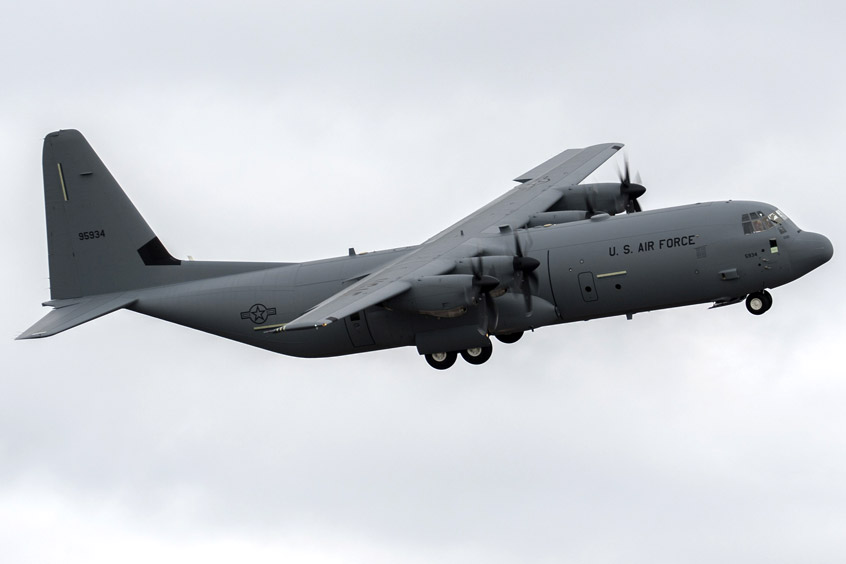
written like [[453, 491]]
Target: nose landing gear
[[759, 302]]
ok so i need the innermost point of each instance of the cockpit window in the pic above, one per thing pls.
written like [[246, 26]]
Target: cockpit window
[[755, 222], [777, 217]]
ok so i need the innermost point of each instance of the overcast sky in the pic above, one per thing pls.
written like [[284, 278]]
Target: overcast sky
[[273, 131]]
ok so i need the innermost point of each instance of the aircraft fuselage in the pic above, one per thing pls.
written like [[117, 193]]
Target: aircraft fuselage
[[599, 267]]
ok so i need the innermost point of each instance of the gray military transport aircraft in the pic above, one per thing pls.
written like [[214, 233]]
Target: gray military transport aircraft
[[549, 251]]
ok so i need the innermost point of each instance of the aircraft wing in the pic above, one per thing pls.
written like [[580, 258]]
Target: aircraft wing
[[539, 190]]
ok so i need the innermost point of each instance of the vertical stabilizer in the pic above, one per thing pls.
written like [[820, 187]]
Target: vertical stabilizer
[[97, 241]]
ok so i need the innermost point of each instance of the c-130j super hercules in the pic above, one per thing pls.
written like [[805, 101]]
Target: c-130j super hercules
[[549, 251]]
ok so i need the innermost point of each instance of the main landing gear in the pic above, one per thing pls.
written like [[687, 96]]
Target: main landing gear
[[759, 302], [441, 360], [476, 355]]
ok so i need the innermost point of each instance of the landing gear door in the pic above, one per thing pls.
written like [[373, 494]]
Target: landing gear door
[[588, 287], [358, 329]]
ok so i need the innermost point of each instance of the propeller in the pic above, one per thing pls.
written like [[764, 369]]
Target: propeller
[[524, 276], [633, 190], [485, 284], [589, 207]]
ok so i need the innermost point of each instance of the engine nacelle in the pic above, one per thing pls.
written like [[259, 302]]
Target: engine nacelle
[[605, 197], [448, 295], [556, 217]]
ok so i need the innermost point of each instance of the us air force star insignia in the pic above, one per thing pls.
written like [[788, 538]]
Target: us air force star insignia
[[258, 313]]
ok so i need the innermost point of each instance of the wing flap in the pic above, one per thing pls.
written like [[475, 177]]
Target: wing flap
[[335, 307], [70, 313], [387, 282]]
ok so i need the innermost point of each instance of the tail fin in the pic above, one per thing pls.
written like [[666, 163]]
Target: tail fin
[[98, 243]]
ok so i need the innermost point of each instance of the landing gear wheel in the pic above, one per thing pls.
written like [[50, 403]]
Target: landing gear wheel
[[477, 355], [442, 360], [510, 338], [768, 298], [759, 302]]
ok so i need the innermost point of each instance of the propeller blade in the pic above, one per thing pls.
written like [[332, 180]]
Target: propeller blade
[[633, 190], [482, 281], [518, 248], [476, 268], [485, 285], [524, 268], [623, 175], [589, 205], [491, 314], [526, 288]]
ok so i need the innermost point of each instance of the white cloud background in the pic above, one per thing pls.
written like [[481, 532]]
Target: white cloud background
[[274, 131]]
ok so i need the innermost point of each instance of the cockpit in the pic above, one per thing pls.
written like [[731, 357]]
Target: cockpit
[[757, 221]]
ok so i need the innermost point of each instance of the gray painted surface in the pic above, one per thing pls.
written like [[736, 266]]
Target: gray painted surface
[[447, 295]]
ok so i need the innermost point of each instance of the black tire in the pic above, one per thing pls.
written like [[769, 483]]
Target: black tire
[[441, 361], [477, 355], [510, 338], [758, 302]]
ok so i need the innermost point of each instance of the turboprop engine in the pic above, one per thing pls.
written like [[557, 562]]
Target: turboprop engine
[[585, 200], [448, 295], [607, 197]]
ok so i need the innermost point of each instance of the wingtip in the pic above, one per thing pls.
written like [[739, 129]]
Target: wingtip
[[27, 336]]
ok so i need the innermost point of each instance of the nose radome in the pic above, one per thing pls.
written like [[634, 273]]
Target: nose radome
[[811, 250], [827, 249]]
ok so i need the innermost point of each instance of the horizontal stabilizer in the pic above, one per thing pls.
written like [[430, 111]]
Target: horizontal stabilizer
[[70, 313]]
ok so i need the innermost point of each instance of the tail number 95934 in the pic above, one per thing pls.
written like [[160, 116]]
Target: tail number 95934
[[96, 234]]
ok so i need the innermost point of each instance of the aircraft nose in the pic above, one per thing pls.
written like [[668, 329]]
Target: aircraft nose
[[810, 250]]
